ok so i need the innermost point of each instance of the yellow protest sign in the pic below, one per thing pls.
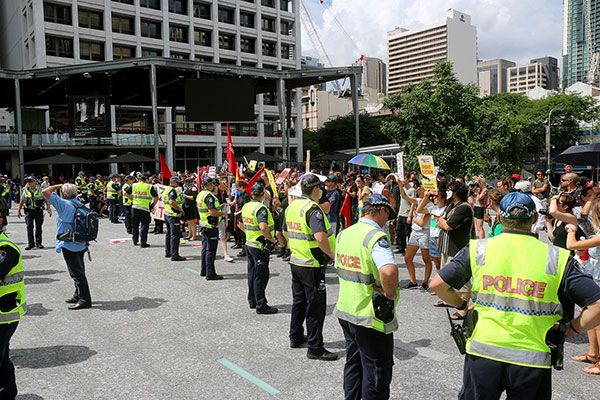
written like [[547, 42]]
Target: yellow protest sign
[[429, 183], [271, 181], [426, 165], [252, 165]]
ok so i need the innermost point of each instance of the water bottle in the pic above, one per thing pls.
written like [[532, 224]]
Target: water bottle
[[321, 287]]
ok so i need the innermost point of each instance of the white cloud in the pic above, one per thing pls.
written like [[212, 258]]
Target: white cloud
[[517, 30]]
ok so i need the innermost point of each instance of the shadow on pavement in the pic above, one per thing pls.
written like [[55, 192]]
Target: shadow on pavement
[[42, 271], [28, 396], [135, 304], [37, 309], [578, 339], [245, 276], [406, 351], [29, 256], [52, 356], [332, 280], [35, 281], [287, 308]]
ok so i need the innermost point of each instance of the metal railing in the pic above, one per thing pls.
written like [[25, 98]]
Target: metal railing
[[62, 139]]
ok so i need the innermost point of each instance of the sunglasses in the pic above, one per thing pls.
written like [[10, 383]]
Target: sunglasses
[[565, 180]]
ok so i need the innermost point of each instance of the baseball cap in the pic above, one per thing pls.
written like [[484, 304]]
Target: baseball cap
[[175, 178], [523, 186], [92, 178], [98, 176], [30, 178], [517, 200], [80, 173], [112, 176], [332, 178], [310, 180], [516, 176], [377, 200], [258, 189], [208, 181], [130, 177]]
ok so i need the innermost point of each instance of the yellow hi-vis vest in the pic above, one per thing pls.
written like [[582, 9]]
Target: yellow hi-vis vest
[[80, 183], [142, 196], [99, 185], [301, 238], [126, 201], [515, 290], [169, 211], [35, 200], [5, 188], [357, 274], [251, 228], [111, 192], [203, 210], [13, 283]]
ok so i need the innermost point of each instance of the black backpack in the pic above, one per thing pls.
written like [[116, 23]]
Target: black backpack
[[85, 226]]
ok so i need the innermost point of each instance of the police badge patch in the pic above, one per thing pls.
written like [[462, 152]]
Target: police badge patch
[[383, 242], [2, 256], [318, 215]]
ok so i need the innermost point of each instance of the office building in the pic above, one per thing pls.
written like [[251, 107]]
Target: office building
[[373, 76], [413, 53], [251, 33], [581, 42], [542, 72], [492, 76]]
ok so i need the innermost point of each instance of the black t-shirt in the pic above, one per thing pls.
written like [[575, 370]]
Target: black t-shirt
[[460, 218], [263, 214], [210, 202], [173, 195]]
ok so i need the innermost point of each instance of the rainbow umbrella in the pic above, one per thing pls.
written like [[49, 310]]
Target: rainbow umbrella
[[369, 160]]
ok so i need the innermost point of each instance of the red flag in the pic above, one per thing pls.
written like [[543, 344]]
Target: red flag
[[233, 167], [164, 169], [346, 211], [254, 178]]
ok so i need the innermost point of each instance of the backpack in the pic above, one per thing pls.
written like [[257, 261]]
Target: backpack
[[85, 226]]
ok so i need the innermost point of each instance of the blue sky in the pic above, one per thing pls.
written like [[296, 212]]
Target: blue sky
[[517, 30]]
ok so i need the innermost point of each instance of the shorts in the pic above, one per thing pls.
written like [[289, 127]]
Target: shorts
[[433, 248], [419, 239], [478, 211], [221, 227]]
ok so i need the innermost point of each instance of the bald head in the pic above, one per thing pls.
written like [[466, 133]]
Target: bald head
[[568, 181]]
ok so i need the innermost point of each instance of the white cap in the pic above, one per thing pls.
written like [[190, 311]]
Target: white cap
[[523, 186]]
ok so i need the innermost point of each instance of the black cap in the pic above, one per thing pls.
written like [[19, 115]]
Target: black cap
[[208, 181], [258, 189], [130, 177], [310, 180], [175, 178]]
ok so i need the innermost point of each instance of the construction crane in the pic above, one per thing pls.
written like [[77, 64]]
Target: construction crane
[[593, 73]]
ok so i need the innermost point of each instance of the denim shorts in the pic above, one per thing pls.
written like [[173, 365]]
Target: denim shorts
[[433, 248], [419, 239]]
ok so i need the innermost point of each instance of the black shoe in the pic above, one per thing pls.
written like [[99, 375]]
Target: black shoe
[[294, 344], [72, 300], [167, 256], [214, 278], [158, 232], [178, 258], [410, 285], [424, 286], [201, 274], [325, 356], [80, 306], [144, 245], [252, 306], [267, 310], [29, 247], [40, 246], [135, 244], [242, 253]]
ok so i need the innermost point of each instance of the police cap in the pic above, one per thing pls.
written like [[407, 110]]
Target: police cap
[[175, 178], [378, 200], [208, 181], [258, 189], [30, 178], [80, 173], [310, 181], [517, 200]]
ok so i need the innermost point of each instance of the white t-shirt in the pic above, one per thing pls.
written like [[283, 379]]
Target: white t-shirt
[[416, 215], [436, 212]]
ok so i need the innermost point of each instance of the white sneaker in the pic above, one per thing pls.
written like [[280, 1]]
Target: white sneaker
[[229, 259]]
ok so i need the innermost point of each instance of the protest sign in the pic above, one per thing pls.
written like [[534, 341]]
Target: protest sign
[[426, 165], [271, 181], [282, 175], [252, 165], [400, 162]]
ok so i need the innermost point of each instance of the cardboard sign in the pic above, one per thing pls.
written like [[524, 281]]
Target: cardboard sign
[[282, 175], [271, 181], [159, 208], [212, 172], [429, 183], [252, 165], [400, 162], [426, 165]]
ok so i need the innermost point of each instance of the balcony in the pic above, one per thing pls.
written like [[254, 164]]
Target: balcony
[[62, 139]]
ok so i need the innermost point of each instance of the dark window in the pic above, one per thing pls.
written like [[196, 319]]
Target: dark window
[[202, 37], [226, 41], [268, 48], [287, 28], [247, 20], [57, 14], [285, 51], [59, 47], [120, 52], [248, 64], [247, 45], [131, 120], [91, 50], [201, 10], [155, 4], [122, 24], [249, 1], [124, 1], [268, 3], [180, 56], [226, 15], [151, 29], [269, 99], [268, 24], [90, 19], [178, 33], [283, 5], [151, 53], [178, 6], [203, 58], [226, 61]]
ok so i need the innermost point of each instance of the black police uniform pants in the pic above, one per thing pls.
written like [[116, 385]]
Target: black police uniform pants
[[140, 224], [76, 268], [258, 277], [172, 237], [113, 214], [210, 240], [127, 213], [34, 217], [403, 231], [369, 362], [8, 385], [308, 304], [93, 203], [485, 379]]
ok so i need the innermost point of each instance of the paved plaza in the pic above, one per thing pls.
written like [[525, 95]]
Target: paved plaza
[[157, 330]]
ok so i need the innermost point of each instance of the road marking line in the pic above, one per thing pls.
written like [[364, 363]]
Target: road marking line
[[245, 374], [422, 351], [192, 271]]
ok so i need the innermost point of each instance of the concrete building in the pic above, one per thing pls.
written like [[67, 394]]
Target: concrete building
[[373, 76], [581, 40], [320, 106], [492, 76], [262, 34], [412, 54], [542, 72]]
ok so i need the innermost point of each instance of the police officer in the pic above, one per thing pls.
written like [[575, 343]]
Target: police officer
[[521, 288], [12, 304], [91, 193], [259, 227], [210, 215], [173, 211], [144, 198], [5, 191], [365, 263], [111, 191], [127, 202], [34, 202], [80, 184], [99, 189], [312, 242]]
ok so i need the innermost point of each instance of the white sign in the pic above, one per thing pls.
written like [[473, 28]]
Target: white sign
[[400, 162], [212, 172]]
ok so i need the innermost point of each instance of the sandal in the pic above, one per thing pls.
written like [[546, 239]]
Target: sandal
[[593, 370], [457, 316], [586, 358], [440, 303]]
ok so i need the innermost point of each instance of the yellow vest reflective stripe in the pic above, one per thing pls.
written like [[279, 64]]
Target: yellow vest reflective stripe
[[250, 220], [301, 238], [13, 283], [35, 199], [80, 183], [5, 188], [91, 187], [357, 274], [203, 209], [126, 201], [99, 185], [169, 211], [142, 196], [515, 290], [111, 192]]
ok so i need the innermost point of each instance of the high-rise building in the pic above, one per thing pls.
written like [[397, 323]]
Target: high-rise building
[[542, 72], [581, 41], [412, 54], [492, 76], [373, 76], [255, 33]]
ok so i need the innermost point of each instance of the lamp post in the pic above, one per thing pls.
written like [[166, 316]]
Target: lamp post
[[548, 140]]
